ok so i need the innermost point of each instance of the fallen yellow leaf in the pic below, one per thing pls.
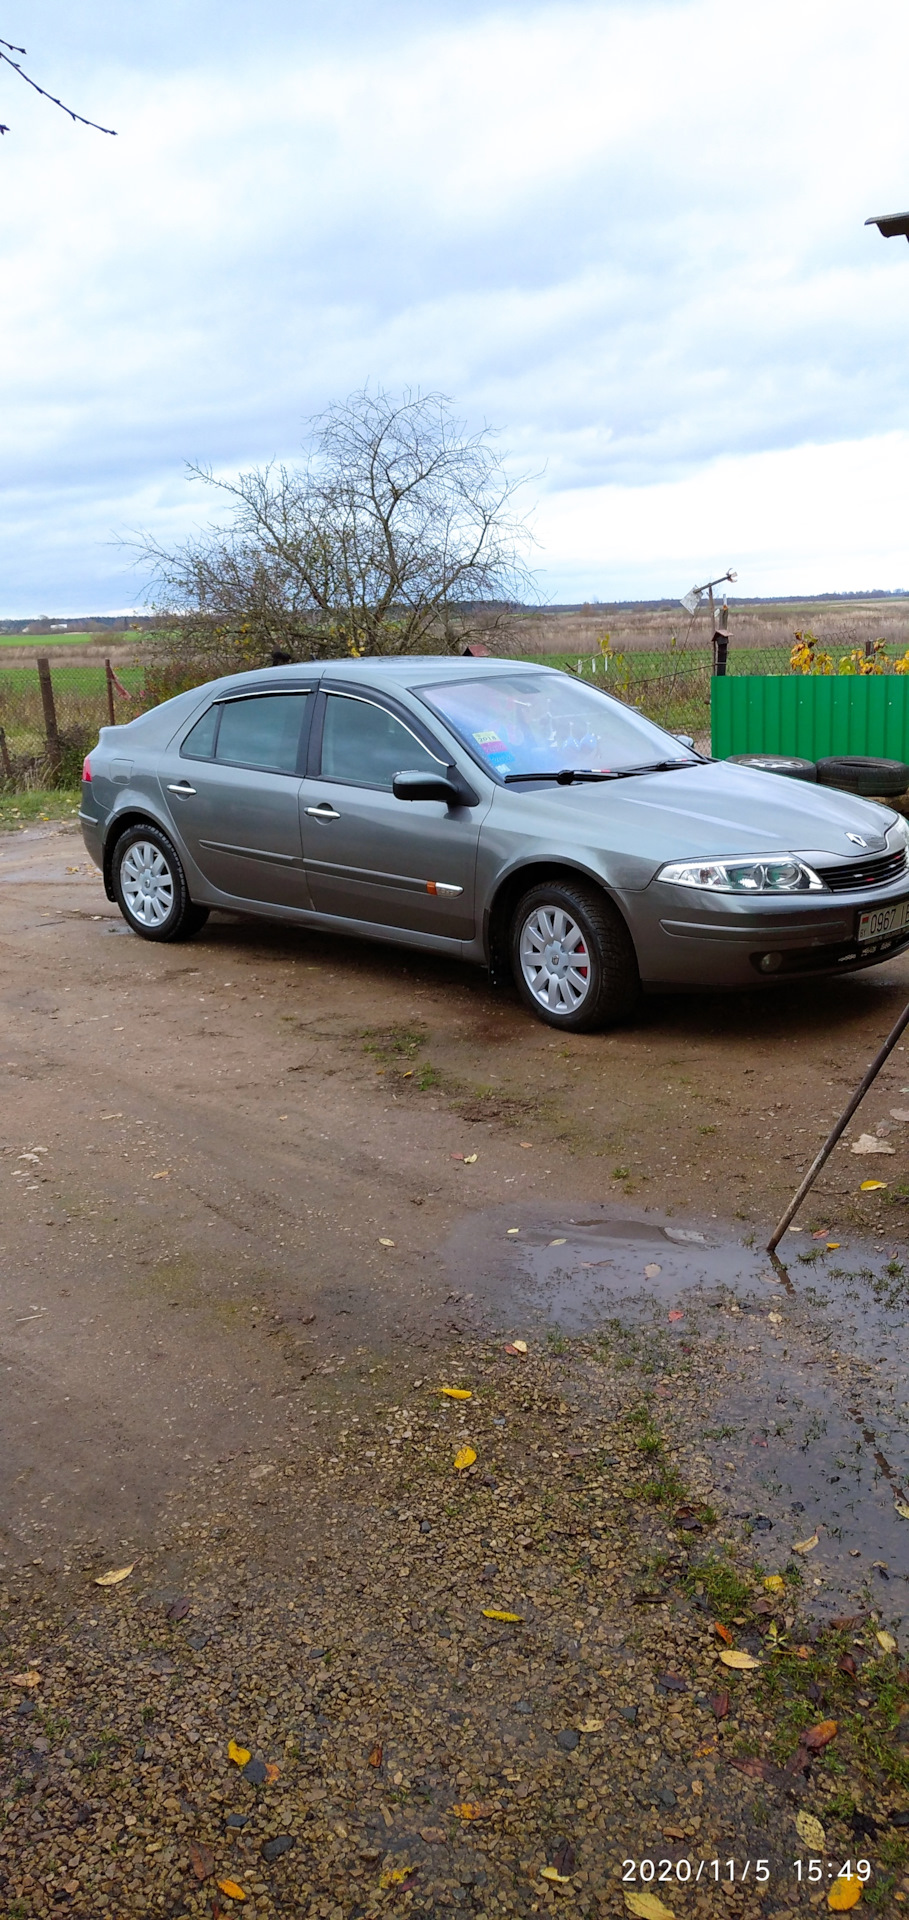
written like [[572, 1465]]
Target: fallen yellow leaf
[[552, 1873], [871, 1186], [833, 1246], [646, 1906], [845, 1892], [457, 1393], [231, 1889], [30, 1679], [474, 1810], [886, 1640], [743, 1662], [495, 1613], [393, 1876], [590, 1726], [775, 1583], [902, 1511], [239, 1755], [465, 1457], [810, 1830], [512, 1230], [114, 1577], [520, 1346], [470, 1159], [272, 1771], [386, 1243], [806, 1546], [163, 1175]]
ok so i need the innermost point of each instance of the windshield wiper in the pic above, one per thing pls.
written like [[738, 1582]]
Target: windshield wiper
[[567, 776]]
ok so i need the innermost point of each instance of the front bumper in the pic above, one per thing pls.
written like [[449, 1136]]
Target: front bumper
[[685, 938]]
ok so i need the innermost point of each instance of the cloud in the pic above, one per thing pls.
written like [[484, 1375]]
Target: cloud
[[631, 235]]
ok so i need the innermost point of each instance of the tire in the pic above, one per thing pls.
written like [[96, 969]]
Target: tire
[[859, 773], [150, 886], [785, 763], [582, 923]]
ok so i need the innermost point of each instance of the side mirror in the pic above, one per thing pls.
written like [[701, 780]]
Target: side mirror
[[687, 739], [429, 786]]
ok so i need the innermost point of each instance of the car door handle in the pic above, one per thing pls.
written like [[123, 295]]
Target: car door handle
[[323, 812], [183, 788]]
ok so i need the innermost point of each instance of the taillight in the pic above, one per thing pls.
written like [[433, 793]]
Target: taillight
[[86, 768]]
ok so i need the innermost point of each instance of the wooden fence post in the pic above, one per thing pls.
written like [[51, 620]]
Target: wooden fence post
[[109, 679], [5, 760], [51, 730]]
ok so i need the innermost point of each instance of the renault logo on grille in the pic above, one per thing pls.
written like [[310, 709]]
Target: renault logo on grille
[[856, 839]]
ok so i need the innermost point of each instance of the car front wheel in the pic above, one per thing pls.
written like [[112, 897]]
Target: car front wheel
[[572, 957], [150, 886]]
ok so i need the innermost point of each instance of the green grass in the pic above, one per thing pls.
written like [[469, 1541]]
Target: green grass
[[19, 810]]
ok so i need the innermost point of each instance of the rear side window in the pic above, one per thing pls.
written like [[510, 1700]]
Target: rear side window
[[366, 745], [263, 731], [200, 740]]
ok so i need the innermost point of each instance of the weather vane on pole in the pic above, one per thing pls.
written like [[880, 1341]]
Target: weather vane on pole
[[719, 621]]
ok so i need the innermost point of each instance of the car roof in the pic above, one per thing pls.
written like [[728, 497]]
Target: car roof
[[408, 670]]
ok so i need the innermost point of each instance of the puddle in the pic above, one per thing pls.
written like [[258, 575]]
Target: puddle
[[786, 1381]]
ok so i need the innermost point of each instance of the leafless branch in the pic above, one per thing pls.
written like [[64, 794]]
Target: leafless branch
[[7, 61]]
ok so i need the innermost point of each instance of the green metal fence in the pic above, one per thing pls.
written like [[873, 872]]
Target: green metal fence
[[811, 716]]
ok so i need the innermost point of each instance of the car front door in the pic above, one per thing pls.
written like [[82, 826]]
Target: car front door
[[369, 857], [232, 789]]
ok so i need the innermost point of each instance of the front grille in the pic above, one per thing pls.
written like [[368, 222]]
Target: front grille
[[864, 873]]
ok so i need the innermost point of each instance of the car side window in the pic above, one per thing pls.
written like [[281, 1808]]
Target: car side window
[[200, 740], [366, 745], [262, 730]]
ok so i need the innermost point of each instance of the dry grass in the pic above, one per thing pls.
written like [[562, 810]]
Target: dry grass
[[840, 624]]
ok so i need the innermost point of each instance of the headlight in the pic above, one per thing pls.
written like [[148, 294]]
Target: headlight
[[898, 834], [762, 873]]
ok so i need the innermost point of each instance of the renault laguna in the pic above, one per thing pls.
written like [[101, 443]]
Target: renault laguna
[[496, 812]]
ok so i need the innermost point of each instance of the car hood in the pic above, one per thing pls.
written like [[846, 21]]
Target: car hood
[[714, 810]]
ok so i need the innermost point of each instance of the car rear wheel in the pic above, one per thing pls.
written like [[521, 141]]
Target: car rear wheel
[[150, 886], [572, 957]]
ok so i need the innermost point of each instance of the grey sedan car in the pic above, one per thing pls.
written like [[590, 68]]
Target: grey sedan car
[[494, 811]]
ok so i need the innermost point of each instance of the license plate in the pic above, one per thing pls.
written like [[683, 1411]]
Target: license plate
[[883, 920]]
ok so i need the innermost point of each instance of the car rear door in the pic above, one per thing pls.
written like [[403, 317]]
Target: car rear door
[[232, 789], [369, 857]]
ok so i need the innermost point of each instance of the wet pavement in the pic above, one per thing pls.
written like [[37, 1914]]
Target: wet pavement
[[786, 1380]]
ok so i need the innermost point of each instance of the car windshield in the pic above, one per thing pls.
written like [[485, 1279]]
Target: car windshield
[[542, 723]]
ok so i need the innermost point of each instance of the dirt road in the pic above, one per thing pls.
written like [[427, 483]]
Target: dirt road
[[253, 1183]]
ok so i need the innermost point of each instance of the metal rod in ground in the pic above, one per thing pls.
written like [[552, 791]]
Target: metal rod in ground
[[839, 1128]]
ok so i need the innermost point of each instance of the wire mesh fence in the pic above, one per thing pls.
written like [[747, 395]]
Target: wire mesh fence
[[52, 709], [50, 717]]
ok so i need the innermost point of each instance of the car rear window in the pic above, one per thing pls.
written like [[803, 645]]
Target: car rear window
[[262, 731]]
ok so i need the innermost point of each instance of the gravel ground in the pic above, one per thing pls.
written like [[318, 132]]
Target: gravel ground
[[330, 1610]]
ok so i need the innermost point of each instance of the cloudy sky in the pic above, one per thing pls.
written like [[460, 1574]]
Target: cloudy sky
[[629, 235]]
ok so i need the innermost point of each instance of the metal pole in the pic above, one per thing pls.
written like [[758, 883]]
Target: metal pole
[[838, 1129]]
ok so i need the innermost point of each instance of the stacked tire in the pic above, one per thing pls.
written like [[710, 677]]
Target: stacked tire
[[851, 773]]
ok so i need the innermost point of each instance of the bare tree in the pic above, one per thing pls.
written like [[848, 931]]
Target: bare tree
[[6, 51], [397, 535]]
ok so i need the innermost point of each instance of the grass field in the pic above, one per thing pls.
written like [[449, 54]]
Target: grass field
[[18, 810]]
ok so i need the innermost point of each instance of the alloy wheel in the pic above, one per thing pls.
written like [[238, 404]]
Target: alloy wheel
[[147, 884], [555, 960]]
